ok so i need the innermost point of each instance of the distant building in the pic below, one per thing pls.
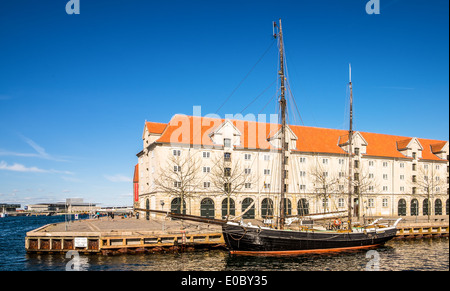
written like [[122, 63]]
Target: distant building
[[5, 208], [72, 205]]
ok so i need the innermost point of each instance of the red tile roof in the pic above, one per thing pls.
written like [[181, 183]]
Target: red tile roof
[[155, 127], [255, 135]]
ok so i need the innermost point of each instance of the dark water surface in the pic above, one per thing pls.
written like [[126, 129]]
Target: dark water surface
[[413, 255]]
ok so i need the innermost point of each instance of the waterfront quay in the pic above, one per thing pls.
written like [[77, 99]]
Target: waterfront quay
[[123, 236], [109, 236]]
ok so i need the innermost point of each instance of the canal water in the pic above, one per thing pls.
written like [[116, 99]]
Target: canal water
[[411, 255]]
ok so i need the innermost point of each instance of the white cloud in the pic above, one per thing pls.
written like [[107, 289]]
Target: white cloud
[[21, 168], [118, 178], [40, 151]]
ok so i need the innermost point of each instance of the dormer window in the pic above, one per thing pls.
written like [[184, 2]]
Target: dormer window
[[227, 142], [357, 151], [414, 155]]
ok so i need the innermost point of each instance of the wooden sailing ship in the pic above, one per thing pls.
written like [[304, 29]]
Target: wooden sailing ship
[[247, 239]]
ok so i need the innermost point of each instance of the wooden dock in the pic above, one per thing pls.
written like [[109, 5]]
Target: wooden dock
[[418, 232], [109, 236]]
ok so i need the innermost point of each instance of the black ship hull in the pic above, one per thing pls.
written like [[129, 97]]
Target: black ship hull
[[252, 240]]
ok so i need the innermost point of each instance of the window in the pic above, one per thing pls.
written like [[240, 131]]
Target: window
[[402, 207], [302, 187], [266, 185], [227, 172], [371, 189], [206, 184], [302, 174], [402, 165], [385, 164], [247, 171], [371, 164], [227, 157], [341, 161], [176, 169], [341, 202], [402, 189], [325, 203], [266, 158], [341, 187], [227, 187], [206, 170], [227, 142], [176, 153], [357, 151], [402, 177], [302, 160], [385, 188], [325, 161], [385, 202], [206, 155], [177, 184], [356, 176], [247, 157], [371, 175], [414, 190], [356, 164], [371, 202], [414, 178], [248, 185], [303, 207], [414, 167], [266, 171], [325, 174], [414, 155], [385, 176]]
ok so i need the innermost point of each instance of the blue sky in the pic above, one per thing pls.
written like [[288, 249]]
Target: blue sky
[[75, 90]]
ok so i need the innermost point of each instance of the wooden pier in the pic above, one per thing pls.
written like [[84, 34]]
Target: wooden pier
[[131, 236], [418, 232]]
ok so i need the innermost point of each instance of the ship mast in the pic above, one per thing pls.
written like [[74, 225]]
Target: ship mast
[[350, 153], [283, 144]]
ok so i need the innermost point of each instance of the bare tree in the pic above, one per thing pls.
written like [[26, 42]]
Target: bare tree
[[426, 181], [179, 177], [229, 177], [325, 181], [364, 183]]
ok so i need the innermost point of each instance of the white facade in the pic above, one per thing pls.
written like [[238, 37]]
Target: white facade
[[317, 181]]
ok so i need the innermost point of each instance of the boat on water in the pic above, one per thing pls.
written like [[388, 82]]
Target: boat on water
[[244, 239], [247, 239]]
